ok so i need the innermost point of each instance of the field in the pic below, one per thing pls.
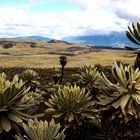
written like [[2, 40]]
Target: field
[[78, 103], [45, 54]]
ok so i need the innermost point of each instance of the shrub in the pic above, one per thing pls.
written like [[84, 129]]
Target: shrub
[[15, 102], [39, 130], [30, 77], [72, 106], [121, 102]]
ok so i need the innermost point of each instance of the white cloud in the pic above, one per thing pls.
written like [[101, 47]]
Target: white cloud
[[94, 17], [127, 9], [124, 11]]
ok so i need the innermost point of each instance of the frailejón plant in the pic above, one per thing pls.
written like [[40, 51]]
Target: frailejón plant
[[30, 78], [39, 130], [133, 35], [15, 100], [121, 102], [88, 76], [71, 106], [126, 90], [63, 62]]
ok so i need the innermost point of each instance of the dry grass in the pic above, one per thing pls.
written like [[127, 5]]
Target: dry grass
[[47, 55], [30, 58]]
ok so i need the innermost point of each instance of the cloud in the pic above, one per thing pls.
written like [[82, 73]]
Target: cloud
[[93, 17], [125, 9], [118, 14]]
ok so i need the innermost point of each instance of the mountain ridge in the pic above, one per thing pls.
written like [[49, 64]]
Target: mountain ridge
[[36, 38], [113, 40]]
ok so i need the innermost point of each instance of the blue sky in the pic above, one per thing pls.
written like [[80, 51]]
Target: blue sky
[[62, 18], [39, 6], [57, 6]]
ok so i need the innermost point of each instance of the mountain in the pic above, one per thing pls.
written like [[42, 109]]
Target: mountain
[[37, 38], [112, 40], [115, 40]]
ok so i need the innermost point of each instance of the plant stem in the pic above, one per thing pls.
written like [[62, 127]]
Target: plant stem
[[62, 74]]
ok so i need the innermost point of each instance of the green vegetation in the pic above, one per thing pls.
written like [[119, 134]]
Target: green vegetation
[[63, 62], [88, 102], [17, 104], [72, 106], [39, 130], [8, 45], [133, 35], [30, 78], [120, 102], [87, 77]]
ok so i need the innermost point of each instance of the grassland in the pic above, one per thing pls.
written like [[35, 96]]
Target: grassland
[[46, 54]]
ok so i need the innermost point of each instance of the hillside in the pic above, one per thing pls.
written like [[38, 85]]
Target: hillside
[[113, 40], [36, 53], [50, 47]]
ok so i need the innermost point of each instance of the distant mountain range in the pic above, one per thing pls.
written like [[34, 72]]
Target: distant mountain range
[[117, 40], [37, 38], [112, 40]]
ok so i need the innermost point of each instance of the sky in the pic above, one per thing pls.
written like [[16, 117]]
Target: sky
[[63, 18]]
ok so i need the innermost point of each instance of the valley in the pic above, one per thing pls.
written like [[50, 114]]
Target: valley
[[37, 53]]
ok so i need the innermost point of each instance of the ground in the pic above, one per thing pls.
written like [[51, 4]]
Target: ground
[[46, 55]]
